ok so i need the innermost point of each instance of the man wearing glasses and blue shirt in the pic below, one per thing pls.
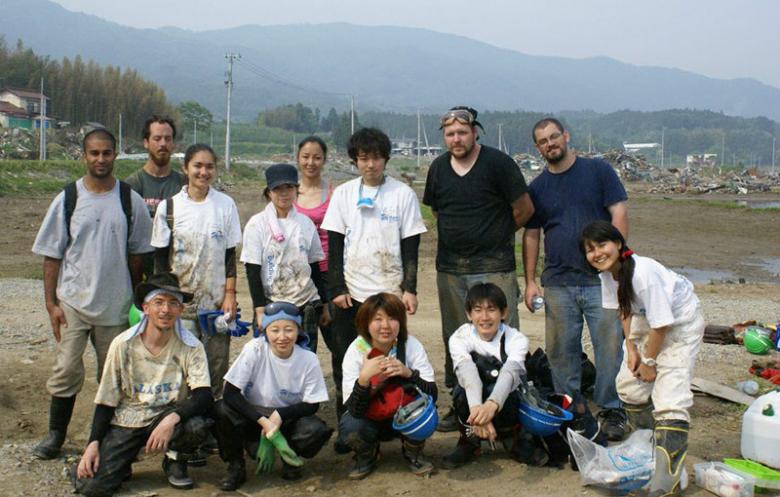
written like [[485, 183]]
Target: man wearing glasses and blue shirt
[[480, 199], [568, 195]]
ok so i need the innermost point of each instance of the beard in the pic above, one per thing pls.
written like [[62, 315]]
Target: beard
[[160, 160], [460, 153], [556, 155]]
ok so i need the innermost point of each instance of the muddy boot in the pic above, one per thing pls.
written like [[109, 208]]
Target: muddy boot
[[467, 450], [412, 451], [671, 447], [291, 473], [525, 448], [235, 477], [175, 468], [366, 458], [60, 411], [640, 416]]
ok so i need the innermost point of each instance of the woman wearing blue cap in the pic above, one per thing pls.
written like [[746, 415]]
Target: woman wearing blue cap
[[272, 392], [282, 252]]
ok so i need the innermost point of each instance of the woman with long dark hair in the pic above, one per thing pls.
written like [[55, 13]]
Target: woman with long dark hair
[[663, 327]]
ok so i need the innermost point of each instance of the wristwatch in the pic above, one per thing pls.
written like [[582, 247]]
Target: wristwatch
[[649, 361]]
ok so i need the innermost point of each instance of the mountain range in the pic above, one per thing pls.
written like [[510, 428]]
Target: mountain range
[[385, 68]]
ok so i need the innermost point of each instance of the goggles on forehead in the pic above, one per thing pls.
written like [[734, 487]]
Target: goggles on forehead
[[284, 307], [461, 115]]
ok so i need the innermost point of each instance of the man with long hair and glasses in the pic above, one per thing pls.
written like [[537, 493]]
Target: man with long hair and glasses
[[568, 195], [480, 199]]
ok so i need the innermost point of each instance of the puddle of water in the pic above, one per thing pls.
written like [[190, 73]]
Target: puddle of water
[[759, 204], [769, 264], [704, 276]]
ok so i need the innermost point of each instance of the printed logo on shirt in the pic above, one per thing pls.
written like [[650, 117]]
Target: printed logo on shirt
[[216, 234], [388, 217], [289, 396], [152, 389]]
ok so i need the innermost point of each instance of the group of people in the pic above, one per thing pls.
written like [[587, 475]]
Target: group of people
[[343, 262]]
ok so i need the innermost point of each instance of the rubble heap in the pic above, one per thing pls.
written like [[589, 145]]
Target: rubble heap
[[18, 143]]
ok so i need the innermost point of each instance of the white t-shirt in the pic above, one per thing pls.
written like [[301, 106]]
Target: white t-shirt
[[662, 296], [270, 381], [94, 278], [202, 232], [372, 237], [286, 273], [416, 358], [142, 386], [466, 340]]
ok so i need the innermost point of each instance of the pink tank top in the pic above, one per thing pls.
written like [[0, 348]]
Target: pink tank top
[[317, 214]]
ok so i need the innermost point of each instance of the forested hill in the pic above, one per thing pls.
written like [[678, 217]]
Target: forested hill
[[385, 68], [84, 91]]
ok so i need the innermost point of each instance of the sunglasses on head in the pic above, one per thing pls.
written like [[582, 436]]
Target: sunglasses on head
[[463, 116], [285, 307]]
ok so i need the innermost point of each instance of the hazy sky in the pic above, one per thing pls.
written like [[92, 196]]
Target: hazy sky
[[718, 38]]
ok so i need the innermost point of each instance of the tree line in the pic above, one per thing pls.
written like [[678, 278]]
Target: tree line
[[82, 92]]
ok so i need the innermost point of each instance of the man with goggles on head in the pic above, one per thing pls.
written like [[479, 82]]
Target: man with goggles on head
[[480, 199]]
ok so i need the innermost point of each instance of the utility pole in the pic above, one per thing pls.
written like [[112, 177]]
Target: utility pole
[[500, 137], [774, 141], [42, 155], [663, 150], [352, 114], [231, 57], [121, 145], [418, 138], [723, 149], [194, 131]]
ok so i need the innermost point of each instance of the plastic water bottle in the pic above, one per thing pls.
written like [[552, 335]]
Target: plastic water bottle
[[537, 303], [222, 325], [749, 387]]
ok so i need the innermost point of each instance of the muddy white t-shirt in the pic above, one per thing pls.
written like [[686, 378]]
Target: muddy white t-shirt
[[270, 381], [372, 237], [202, 232], [416, 358], [285, 269], [662, 296], [142, 386]]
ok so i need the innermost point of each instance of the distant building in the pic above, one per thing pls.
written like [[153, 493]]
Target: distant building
[[633, 148], [21, 108], [409, 148], [699, 160]]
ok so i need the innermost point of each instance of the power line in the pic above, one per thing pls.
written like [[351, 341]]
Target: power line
[[270, 76]]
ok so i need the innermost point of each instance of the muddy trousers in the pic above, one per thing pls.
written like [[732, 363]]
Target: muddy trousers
[[217, 354], [236, 433], [120, 447], [342, 333]]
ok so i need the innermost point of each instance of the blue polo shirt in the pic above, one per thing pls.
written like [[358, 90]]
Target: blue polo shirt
[[564, 204]]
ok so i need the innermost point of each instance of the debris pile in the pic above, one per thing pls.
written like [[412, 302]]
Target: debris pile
[[18, 143], [636, 168]]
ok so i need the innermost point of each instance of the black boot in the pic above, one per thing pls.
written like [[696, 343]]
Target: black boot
[[640, 416], [467, 450], [60, 412], [448, 422], [366, 458], [176, 471], [671, 447], [236, 475], [526, 449]]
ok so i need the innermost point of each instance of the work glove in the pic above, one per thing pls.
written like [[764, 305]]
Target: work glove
[[285, 451], [266, 456]]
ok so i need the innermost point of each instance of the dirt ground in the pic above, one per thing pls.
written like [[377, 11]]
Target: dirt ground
[[731, 245]]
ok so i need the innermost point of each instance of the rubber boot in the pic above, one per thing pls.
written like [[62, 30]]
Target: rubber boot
[[468, 449], [60, 412], [640, 416], [236, 475], [366, 458], [412, 451], [524, 447], [671, 447], [174, 465]]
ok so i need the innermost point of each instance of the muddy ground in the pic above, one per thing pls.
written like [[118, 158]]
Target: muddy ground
[[727, 243]]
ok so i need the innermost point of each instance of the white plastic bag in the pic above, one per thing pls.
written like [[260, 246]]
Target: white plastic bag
[[623, 467]]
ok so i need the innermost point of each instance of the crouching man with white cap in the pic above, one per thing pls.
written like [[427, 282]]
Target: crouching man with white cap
[[154, 395]]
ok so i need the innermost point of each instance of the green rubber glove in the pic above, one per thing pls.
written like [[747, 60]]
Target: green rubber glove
[[285, 452], [266, 456]]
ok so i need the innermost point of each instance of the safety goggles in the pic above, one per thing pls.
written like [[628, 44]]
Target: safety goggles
[[283, 307], [463, 116]]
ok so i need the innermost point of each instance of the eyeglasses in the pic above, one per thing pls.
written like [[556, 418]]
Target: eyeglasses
[[171, 304], [285, 307], [461, 115], [553, 137]]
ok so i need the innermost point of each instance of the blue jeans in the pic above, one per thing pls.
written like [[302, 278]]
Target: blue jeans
[[361, 433], [565, 307]]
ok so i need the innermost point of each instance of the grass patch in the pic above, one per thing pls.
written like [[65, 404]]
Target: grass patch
[[20, 177], [520, 269], [428, 217]]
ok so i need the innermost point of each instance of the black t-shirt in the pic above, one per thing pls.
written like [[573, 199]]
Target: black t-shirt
[[153, 189], [475, 223]]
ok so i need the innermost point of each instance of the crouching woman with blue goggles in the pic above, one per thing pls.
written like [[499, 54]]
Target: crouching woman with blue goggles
[[272, 392]]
